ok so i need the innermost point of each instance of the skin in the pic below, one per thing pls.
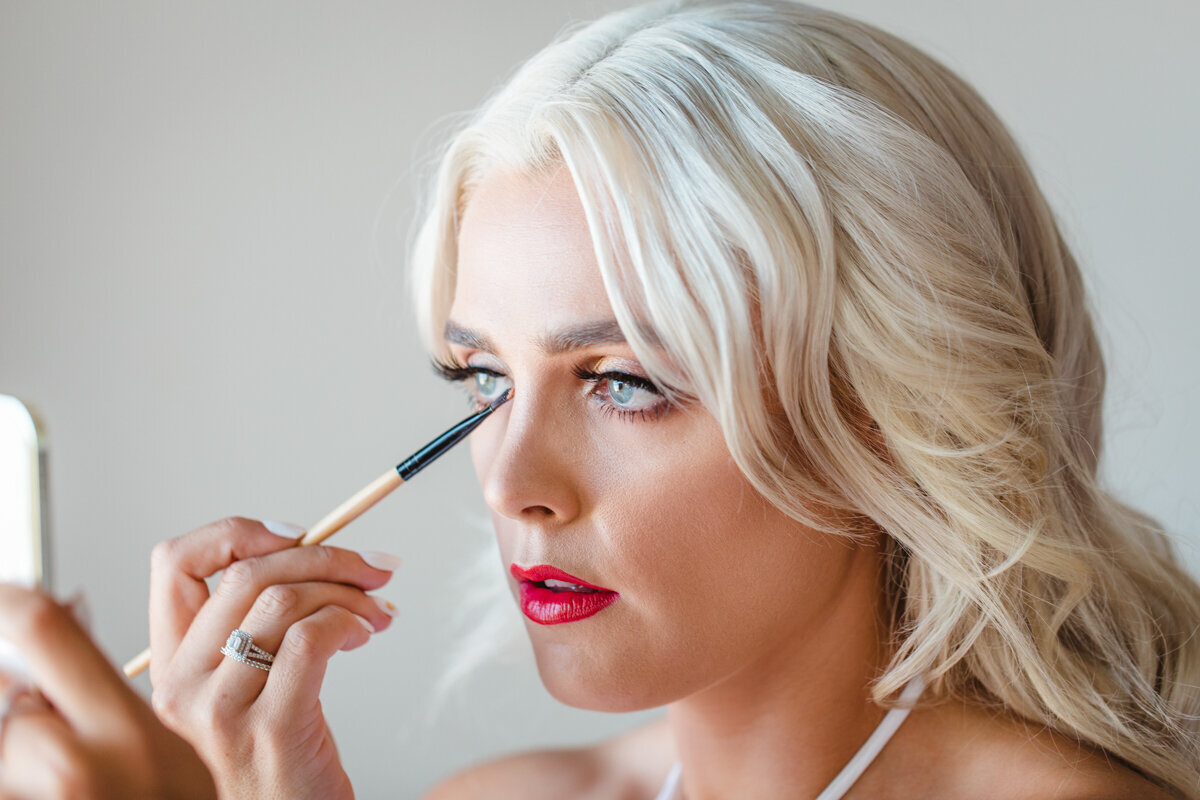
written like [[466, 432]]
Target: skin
[[724, 599], [84, 733], [218, 727], [760, 636], [262, 734]]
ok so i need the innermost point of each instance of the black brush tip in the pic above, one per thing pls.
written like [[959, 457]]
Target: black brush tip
[[501, 400]]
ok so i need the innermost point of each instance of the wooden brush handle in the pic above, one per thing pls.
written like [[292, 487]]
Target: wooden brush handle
[[333, 522]]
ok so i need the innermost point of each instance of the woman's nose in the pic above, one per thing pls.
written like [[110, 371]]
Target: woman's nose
[[529, 471]]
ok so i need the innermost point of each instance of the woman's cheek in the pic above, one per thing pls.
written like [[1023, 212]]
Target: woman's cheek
[[482, 444]]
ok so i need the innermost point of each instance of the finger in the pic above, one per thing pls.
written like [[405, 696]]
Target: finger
[[17, 697], [11, 687], [243, 582], [68, 668], [282, 605], [274, 612], [294, 682], [42, 757], [178, 568]]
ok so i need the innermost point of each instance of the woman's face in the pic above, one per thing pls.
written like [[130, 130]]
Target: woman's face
[[588, 470]]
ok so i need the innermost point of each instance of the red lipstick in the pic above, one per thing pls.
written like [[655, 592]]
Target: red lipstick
[[550, 596]]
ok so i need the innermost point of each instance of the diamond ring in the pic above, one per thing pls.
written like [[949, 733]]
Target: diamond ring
[[240, 646]]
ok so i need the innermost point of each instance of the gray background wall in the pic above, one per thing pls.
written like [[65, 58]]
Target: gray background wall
[[201, 287]]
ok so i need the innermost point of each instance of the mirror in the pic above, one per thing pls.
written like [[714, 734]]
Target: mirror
[[22, 505], [22, 496]]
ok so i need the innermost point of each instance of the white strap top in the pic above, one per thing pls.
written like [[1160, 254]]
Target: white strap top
[[855, 766]]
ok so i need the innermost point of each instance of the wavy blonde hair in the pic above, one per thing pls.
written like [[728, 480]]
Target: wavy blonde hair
[[844, 257]]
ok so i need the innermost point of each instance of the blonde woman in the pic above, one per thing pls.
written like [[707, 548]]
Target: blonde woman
[[803, 447]]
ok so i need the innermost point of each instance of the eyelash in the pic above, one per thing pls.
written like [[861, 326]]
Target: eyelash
[[458, 373], [644, 414]]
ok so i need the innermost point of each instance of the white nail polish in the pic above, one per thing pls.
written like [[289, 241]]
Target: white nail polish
[[385, 606], [380, 560], [365, 623], [283, 528]]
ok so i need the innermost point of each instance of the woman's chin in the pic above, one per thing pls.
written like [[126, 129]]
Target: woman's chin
[[596, 684]]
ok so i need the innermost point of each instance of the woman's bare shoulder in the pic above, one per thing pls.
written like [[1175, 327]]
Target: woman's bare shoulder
[[971, 752], [629, 767]]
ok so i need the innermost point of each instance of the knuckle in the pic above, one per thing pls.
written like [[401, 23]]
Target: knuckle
[[305, 639], [39, 616], [219, 711], [165, 704], [164, 555], [238, 576], [278, 601], [233, 525], [326, 557], [188, 715], [231, 529]]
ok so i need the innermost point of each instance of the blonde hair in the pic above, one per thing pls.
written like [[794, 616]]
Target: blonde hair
[[844, 257]]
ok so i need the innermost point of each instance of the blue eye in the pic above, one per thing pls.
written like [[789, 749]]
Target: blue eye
[[629, 396], [485, 383], [482, 384], [622, 392], [489, 385]]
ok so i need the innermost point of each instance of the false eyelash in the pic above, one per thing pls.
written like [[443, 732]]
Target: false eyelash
[[650, 414], [591, 376], [456, 373]]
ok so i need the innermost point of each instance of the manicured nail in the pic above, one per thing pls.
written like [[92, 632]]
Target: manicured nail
[[385, 606], [283, 528], [379, 560], [365, 623]]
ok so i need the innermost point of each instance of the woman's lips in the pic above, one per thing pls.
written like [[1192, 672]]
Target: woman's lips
[[550, 596]]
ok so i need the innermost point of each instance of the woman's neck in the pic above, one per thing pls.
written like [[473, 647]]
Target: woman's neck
[[786, 724]]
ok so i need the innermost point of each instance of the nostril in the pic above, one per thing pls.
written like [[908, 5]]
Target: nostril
[[522, 485]]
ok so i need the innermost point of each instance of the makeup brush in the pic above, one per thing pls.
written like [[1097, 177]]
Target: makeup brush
[[371, 494]]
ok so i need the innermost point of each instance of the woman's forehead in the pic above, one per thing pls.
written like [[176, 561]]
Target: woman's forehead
[[525, 251]]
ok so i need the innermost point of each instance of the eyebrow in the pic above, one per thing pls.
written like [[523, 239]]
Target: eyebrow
[[590, 334]]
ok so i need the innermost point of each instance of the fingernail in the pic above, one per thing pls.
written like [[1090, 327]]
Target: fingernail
[[385, 606], [379, 560], [365, 623], [283, 528]]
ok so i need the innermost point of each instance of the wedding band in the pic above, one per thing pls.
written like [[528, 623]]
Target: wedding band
[[240, 646]]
